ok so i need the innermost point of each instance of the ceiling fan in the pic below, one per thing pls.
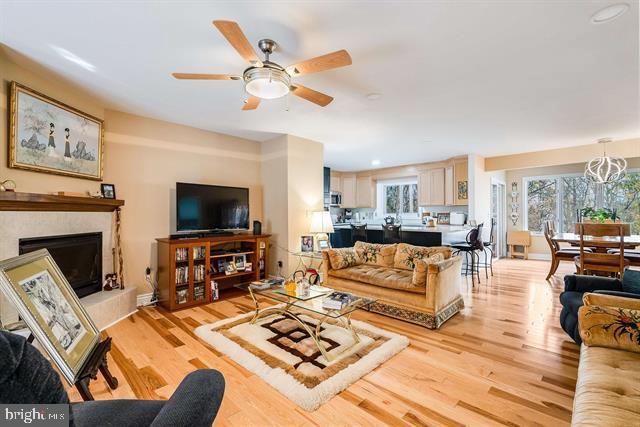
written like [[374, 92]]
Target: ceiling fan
[[266, 79]]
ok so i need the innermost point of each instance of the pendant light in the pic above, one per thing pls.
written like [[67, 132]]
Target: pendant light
[[605, 169]]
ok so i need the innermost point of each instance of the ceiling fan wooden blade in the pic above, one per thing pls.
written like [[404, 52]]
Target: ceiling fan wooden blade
[[234, 35], [329, 61], [195, 76], [251, 103], [311, 95]]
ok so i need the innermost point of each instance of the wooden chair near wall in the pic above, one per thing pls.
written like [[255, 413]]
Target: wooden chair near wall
[[597, 261], [558, 253]]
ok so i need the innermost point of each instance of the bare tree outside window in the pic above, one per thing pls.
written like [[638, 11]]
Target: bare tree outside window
[[541, 204], [401, 199]]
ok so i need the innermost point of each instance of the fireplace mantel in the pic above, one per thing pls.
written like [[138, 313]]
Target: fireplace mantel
[[12, 201]]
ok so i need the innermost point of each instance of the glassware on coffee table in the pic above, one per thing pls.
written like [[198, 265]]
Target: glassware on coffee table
[[311, 302]]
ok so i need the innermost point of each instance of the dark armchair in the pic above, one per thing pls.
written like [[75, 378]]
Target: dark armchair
[[27, 377], [575, 286]]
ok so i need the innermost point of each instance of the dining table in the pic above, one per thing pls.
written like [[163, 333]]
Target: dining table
[[600, 243]]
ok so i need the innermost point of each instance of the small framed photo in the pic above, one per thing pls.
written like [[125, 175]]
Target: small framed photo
[[323, 244], [108, 191], [239, 261], [248, 267], [306, 244], [230, 268]]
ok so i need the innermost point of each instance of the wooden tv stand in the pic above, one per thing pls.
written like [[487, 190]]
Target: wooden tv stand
[[187, 268]]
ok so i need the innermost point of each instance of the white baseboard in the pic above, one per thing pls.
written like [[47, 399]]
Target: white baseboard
[[541, 257], [116, 321], [144, 299]]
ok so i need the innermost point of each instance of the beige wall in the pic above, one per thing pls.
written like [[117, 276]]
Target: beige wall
[[539, 246], [627, 148], [144, 158], [292, 178], [480, 182]]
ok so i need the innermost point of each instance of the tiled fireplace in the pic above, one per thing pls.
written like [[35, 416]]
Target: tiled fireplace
[[105, 307]]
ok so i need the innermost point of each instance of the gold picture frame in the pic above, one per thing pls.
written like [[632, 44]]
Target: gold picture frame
[[41, 147], [51, 309]]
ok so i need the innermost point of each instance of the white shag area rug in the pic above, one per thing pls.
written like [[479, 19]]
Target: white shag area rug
[[280, 351]]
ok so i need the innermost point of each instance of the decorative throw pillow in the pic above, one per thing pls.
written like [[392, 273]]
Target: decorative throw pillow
[[422, 266], [375, 254], [606, 300], [612, 327], [342, 258], [631, 281], [406, 255]]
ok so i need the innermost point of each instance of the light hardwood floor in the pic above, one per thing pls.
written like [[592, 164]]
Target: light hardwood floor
[[503, 361]]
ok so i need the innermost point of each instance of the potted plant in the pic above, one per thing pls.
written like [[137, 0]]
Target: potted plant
[[599, 215]]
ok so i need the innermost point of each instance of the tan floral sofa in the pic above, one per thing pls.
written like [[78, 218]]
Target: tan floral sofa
[[608, 385], [412, 283]]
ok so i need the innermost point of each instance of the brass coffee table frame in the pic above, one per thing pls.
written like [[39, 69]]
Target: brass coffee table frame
[[287, 310]]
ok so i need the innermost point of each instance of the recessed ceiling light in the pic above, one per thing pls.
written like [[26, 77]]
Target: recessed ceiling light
[[373, 96], [609, 13], [375, 162]]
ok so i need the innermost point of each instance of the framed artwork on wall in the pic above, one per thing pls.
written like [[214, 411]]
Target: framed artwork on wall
[[51, 137], [51, 309]]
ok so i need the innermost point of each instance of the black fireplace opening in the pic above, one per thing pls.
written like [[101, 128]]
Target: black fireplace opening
[[79, 257]]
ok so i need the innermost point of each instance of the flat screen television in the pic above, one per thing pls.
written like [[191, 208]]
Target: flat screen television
[[202, 207]]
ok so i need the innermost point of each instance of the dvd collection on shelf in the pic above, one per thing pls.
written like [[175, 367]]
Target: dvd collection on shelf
[[199, 252], [182, 254], [182, 295], [199, 273], [182, 275], [199, 292], [214, 291]]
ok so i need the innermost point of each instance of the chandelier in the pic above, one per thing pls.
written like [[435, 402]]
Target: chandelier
[[605, 169]]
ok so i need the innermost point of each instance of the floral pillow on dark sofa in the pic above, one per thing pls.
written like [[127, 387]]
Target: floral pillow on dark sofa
[[610, 321]]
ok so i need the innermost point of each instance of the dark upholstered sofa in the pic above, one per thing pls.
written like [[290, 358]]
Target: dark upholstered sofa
[[575, 286]]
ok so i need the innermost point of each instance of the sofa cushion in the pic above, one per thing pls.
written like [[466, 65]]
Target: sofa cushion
[[384, 277], [631, 281], [607, 388], [375, 254], [342, 258], [612, 327], [406, 255], [422, 267]]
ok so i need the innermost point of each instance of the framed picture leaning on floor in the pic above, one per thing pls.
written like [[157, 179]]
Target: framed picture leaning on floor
[[51, 309]]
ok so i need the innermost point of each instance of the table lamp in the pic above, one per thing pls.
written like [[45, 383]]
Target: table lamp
[[321, 224]]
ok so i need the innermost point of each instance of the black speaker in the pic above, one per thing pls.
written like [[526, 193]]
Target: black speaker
[[257, 227]]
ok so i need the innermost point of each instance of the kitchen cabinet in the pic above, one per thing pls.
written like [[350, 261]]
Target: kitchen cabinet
[[349, 189], [461, 183], [436, 187], [336, 184], [365, 192], [423, 188], [449, 183], [431, 191]]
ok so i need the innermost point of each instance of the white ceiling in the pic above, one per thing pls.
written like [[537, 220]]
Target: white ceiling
[[485, 77]]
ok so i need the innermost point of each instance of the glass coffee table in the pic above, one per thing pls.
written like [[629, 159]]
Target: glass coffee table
[[295, 304]]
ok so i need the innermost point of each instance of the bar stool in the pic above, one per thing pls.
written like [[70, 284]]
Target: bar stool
[[391, 233], [470, 247], [489, 247], [358, 233]]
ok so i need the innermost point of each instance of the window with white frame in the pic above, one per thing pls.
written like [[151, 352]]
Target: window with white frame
[[560, 197], [398, 197]]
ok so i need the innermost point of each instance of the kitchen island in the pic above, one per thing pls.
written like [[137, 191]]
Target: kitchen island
[[419, 235]]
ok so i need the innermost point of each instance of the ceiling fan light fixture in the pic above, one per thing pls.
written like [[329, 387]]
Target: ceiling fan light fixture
[[267, 83]]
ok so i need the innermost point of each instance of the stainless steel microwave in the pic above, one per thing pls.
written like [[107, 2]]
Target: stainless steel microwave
[[336, 198]]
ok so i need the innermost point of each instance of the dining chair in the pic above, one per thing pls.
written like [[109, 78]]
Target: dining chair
[[559, 253], [603, 262], [391, 233], [358, 233]]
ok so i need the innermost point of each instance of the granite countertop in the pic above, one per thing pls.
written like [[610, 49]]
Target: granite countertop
[[441, 228]]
